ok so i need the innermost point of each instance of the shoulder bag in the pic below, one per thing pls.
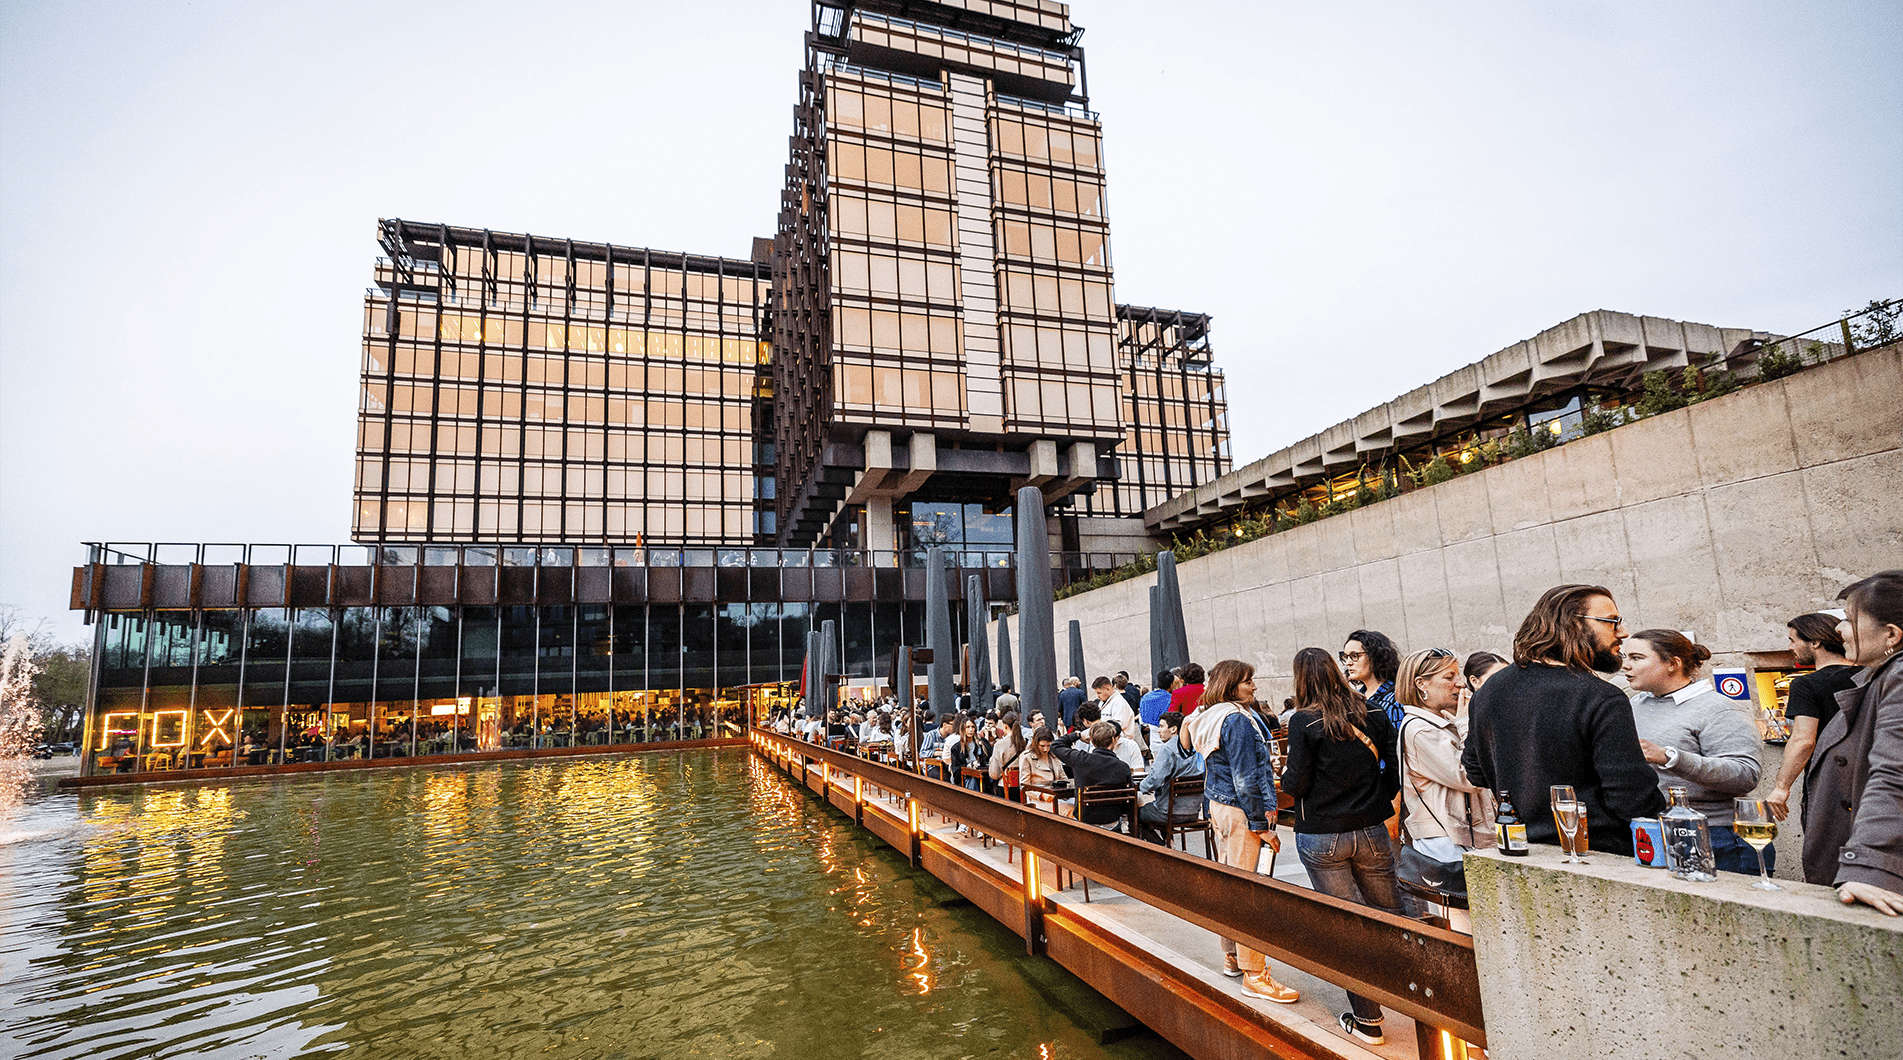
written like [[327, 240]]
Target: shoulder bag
[[1416, 867]]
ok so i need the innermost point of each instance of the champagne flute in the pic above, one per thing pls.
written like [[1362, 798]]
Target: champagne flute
[[1755, 825], [1561, 795]]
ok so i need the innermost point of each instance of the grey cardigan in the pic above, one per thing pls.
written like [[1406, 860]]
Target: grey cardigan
[[1853, 790]]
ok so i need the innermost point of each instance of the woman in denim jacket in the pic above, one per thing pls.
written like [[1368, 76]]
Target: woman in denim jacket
[[1233, 737]]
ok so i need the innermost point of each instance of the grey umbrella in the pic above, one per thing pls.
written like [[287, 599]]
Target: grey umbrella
[[1077, 652], [1006, 679], [812, 675], [1038, 656], [1156, 630], [828, 664], [983, 696], [938, 636], [1175, 630]]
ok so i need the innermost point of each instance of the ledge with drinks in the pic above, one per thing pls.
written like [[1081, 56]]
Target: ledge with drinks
[[1629, 960]]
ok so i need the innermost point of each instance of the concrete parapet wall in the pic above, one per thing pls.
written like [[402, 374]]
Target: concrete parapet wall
[[1613, 960], [1725, 518]]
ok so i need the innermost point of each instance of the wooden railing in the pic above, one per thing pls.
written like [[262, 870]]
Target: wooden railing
[[1421, 970]]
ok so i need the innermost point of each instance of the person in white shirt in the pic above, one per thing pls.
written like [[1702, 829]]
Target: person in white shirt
[[1113, 707], [1127, 748]]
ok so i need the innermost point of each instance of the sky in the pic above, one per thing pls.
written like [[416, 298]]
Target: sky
[[1364, 196]]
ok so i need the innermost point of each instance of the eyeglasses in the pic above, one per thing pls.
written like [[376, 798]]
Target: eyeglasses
[[1439, 653], [1353, 656], [1615, 621]]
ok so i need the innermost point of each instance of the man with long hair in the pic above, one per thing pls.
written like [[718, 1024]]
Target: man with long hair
[[1549, 719]]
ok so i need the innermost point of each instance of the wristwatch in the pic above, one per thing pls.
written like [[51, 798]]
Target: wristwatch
[[1671, 758]]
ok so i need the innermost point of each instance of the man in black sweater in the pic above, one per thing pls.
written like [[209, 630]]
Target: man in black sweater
[[1096, 766], [1549, 720]]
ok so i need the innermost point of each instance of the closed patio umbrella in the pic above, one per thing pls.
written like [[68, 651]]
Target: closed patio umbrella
[[983, 696], [1006, 679], [1175, 629], [1038, 652], [940, 685], [1156, 630], [1077, 652]]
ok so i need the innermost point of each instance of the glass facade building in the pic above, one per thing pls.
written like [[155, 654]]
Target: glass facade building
[[211, 656], [1175, 413], [520, 388], [944, 326], [603, 493]]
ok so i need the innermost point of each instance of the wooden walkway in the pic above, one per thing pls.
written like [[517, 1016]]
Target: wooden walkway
[[1161, 968]]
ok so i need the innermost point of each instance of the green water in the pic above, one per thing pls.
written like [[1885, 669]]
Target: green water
[[661, 905]]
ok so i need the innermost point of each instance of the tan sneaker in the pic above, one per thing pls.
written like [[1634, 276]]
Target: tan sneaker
[[1261, 984], [1229, 966]]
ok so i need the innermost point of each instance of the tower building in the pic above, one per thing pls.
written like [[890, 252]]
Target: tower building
[[943, 322]]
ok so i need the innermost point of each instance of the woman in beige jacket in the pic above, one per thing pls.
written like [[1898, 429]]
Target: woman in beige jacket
[[1446, 813], [1037, 765]]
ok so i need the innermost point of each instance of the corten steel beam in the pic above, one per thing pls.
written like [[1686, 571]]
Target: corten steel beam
[[1427, 972], [1182, 1007]]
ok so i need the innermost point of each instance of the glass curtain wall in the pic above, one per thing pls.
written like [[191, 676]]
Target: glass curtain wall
[[266, 686]]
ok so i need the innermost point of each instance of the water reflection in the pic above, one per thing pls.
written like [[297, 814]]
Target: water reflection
[[656, 905]]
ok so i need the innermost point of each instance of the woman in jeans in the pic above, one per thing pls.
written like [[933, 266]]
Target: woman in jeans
[[1344, 788], [1232, 735]]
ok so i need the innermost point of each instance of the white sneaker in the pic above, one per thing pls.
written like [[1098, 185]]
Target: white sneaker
[[1359, 1031]]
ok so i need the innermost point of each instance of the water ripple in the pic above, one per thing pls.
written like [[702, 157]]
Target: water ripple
[[653, 905]]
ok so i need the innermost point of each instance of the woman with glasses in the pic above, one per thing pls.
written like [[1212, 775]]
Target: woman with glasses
[[1371, 661], [1344, 788], [1447, 814]]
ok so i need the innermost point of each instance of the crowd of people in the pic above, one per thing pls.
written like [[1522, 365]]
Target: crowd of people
[[1389, 767]]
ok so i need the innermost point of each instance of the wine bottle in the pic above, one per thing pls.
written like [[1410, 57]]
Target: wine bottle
[[1509, 832], [1687, 838]]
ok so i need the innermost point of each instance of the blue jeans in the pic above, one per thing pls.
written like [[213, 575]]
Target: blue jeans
[[1735, 855], [1359, 867]]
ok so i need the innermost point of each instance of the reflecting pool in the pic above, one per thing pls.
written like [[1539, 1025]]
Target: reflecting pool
[[691, 904]]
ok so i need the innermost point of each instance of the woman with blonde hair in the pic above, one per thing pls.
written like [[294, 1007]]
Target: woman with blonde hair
[[1447, 814], [1232, 735]]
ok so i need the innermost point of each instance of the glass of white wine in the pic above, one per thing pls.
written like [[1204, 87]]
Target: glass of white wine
[[1756, 826], [1566, 820]]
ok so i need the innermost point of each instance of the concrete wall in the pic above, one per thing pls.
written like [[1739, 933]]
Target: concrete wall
[[1612, 960], [1725, 518]]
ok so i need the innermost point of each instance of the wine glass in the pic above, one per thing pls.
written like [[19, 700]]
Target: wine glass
[[1565, 818], [1755, 825]]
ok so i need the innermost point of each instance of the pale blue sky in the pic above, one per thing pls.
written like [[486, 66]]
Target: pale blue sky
[[1363, 195]]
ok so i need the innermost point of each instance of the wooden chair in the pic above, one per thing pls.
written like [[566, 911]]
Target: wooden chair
[[1173, 826], [1101, 796]]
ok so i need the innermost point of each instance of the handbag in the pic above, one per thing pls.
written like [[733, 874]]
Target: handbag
[[1421, 869]]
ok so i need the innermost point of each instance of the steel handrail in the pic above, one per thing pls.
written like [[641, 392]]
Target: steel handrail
[[1427, 972]]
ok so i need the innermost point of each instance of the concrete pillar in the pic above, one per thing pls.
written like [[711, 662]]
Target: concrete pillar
[[880, 534], [1608, 959]]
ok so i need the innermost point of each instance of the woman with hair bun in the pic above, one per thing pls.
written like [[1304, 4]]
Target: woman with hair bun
[[1694, 736]]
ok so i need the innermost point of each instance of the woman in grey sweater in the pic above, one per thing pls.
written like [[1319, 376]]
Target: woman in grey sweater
[[1694, 736]]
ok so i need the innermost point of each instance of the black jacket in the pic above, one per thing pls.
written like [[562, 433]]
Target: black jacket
[[1339, 785], [1535, 726], [1093, 767]]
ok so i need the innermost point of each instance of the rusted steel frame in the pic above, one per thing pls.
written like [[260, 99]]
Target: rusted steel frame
[[1427, 972]]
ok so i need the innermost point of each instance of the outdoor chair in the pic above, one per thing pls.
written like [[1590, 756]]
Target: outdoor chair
[[1174, 826], [1124, 798]]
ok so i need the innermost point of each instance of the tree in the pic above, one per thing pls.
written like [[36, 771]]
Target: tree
[[59, 689]]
